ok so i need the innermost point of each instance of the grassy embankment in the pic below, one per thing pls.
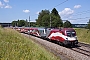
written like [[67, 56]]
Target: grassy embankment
[[13, 46], [83, 35]]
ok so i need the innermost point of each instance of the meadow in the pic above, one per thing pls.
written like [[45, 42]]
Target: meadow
[[14, 46], [83, 35]]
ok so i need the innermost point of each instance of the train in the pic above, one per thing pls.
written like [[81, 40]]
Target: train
[[64, 36]]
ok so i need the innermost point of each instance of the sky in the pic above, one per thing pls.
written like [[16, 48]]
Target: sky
[[76, 11]]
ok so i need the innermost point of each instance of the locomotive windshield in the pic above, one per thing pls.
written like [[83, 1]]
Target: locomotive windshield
[[70, 33]]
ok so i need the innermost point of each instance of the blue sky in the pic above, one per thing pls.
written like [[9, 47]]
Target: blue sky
[[76, 11]]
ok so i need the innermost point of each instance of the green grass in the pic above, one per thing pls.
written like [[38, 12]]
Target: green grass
[[83, 35], [14, 46]]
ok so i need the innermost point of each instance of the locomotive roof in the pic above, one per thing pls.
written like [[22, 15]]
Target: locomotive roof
[[68, 28], [41, 28], [55, 29]]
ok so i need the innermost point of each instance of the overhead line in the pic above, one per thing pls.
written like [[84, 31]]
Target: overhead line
[[80, 13], [60, 3], [55, 6], [79, 18]]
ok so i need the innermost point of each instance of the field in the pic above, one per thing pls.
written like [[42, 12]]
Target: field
[[13, 46], [83, 35]]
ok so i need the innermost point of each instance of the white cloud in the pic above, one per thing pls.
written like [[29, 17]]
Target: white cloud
[[77, 6], [26, 11], [4, 5], [37, 13], [66, 13], [8, 6], [6, 0], [1, 5]]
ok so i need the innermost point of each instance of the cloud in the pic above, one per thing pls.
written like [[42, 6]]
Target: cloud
[[1, 5], [66, 13], [26, 11], [6, 0], [8, 6], [77, 6], [37, 13], [4, 5]]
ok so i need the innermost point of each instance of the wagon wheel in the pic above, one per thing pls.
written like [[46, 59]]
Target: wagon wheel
[[50, 40]]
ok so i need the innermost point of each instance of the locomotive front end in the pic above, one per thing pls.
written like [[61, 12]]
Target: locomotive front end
[[71, 38]]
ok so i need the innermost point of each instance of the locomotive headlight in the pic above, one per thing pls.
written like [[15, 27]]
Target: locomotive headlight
[[76, 37]]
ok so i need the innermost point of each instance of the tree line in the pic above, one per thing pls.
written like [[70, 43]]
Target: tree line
[[23, 23]]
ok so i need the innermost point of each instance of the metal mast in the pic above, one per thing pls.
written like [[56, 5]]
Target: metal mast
[[29, 21], [50, 21]]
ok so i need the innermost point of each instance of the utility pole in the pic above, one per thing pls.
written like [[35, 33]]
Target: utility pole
[[26, 24], [29, 21], [29, 26], [50, 21]]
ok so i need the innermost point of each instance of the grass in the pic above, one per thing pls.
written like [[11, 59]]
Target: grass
[[14, 46], [83, 35]]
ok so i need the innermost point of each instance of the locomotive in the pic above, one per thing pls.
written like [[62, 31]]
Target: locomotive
[[64, 36]]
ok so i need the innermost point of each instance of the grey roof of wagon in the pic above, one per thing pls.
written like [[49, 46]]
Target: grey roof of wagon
[[41, 28]]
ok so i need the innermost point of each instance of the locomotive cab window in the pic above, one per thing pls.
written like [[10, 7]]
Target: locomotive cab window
[[63, 33], [70, 33]]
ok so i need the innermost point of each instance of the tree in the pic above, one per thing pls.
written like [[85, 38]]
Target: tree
[[46, 20], [67, 24], [55, 12], [56, 20], [18, 23], [21, 23], [26, 23], [33, 24], [14, 23], [43, 18]]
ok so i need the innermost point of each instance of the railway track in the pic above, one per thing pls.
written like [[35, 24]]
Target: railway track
[[79, 52], [82, 51], [83, 44], [82, 48]]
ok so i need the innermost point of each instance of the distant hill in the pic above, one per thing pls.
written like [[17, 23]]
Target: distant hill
[[5, 24], [79, 25]]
